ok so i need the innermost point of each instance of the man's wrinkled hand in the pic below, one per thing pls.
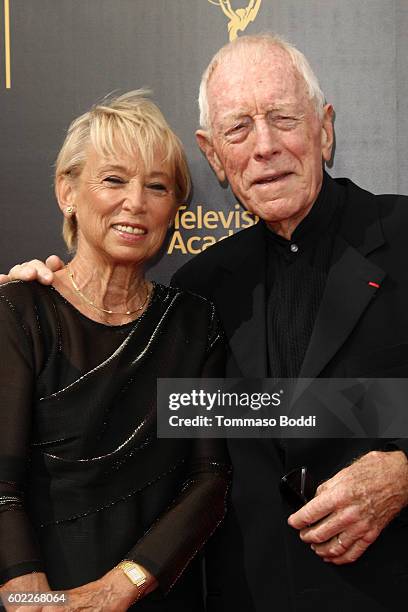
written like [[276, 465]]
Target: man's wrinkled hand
[[351, 509], [34, 270]]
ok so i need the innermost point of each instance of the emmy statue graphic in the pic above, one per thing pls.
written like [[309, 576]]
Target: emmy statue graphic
[[238, 18]]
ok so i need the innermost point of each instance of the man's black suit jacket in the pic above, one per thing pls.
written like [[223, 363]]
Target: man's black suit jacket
[[257, 563]]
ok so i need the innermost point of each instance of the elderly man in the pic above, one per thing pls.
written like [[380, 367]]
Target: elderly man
[[317, 288]]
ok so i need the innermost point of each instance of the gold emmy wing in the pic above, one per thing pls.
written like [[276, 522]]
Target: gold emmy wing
[[238, 18]]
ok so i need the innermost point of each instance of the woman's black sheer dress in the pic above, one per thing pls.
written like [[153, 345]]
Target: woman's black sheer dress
[[84, 482]]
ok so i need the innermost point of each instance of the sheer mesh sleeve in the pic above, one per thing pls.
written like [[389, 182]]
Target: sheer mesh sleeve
[[175, 538], [18, 551]]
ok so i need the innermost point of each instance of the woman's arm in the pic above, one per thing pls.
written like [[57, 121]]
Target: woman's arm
[[177, 536], [19, 554], [114, 592]]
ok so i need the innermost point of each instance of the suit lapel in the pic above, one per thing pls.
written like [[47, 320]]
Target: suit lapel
[[346, 296], [240, 298], [348, 290]]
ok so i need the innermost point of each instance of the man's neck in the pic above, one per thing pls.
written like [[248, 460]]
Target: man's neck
[[286, 227]]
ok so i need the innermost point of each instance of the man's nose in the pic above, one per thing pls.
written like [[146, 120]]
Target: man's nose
[[134, 200], [266, 140]]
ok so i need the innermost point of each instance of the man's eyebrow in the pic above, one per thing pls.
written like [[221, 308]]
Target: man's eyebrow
[[283, 108], [235, 115]]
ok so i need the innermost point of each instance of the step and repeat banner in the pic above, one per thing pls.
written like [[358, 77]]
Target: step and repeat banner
[[60, 56]]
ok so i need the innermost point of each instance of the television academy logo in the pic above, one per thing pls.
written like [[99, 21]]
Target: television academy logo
[[238, 18]]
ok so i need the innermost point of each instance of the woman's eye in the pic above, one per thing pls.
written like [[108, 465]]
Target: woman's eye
[[114, 180], [157, 186]]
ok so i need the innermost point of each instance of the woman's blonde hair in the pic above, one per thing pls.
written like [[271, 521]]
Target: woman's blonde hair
[[130, 123]]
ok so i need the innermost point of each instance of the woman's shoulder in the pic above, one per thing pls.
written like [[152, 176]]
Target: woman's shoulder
[[19, 290], [191, 309], [187, 299], [23, 297]]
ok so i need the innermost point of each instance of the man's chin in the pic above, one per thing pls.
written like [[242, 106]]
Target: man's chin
[[274, 210]]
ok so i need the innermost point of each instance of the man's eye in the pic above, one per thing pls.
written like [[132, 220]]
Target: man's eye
[[238, 131], [237, 128], [114, 180], [284, 121]]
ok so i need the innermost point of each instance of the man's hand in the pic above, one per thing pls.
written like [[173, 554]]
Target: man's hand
[[351, 509], [34, 270]]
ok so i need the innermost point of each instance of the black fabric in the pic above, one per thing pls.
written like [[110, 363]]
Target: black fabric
[[295, 280], [257, 562], [84, 481]]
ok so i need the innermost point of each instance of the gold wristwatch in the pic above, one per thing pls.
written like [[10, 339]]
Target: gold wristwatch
[[135, 574]]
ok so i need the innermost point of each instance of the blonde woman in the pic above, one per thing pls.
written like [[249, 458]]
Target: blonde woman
[[90, 500]]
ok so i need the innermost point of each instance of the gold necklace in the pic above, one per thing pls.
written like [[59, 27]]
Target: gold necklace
[[105, 310]]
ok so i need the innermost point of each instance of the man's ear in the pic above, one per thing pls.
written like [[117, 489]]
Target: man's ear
[[65, 193], [327, 137], [206, 145]]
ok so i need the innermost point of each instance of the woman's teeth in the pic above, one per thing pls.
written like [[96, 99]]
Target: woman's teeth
[[128, 229]]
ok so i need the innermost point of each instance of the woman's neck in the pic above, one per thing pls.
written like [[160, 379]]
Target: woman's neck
[[105, 292]]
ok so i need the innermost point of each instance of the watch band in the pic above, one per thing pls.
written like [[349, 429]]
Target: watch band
[[135, 574]]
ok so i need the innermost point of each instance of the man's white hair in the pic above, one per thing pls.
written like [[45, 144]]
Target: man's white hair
[[260, 42]]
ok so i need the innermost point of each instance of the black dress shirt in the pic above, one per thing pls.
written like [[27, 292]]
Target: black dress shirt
[[295, 280]]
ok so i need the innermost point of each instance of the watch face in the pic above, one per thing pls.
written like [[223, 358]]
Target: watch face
[[134, 573], [137, 574]]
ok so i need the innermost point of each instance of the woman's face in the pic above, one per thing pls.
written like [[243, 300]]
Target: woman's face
[[123, 211]]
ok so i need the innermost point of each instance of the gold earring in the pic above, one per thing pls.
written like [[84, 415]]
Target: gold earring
[[70, 210]]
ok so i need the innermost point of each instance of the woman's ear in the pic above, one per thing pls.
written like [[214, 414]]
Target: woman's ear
[[65, 193]]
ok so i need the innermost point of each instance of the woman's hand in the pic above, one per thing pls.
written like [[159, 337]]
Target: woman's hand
[[101, 595], [34, 270], [112, 593], [29, 583]]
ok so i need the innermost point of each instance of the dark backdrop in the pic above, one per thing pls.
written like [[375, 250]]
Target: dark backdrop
[[66, 54]]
